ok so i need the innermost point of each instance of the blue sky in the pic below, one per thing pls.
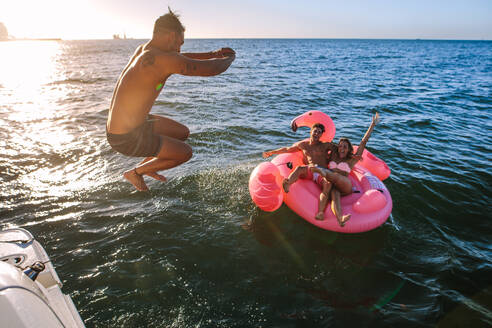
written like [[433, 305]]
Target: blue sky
[[100, 19]]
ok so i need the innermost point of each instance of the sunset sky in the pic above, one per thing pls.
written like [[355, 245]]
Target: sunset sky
[[100, 19]]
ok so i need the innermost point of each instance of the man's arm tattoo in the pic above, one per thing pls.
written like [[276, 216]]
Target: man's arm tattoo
[[189, 68]]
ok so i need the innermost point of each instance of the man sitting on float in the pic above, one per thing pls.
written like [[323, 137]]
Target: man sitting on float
[[314, 153]]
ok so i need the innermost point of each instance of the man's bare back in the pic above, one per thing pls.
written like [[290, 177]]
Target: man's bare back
[[135, 92], [145, 75], [131, 130]]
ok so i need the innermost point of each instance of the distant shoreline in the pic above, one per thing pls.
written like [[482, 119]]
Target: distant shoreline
[[33, 39]]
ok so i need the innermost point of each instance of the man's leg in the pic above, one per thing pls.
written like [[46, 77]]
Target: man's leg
[[153, 175], [323, 199], [173, 152], [299, 172], [167, 127]]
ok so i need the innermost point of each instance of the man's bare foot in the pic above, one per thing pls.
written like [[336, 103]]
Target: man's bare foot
[[286, 185], [320, 216], [344, 219], [136, 180], [157, 176]]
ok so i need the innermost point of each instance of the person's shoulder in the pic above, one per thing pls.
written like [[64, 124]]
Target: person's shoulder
[[302, 143], [149, 54], [329, 144]]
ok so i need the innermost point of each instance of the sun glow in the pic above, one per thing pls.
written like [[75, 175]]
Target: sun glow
[[65, 19], [31, 19], [26, 65]]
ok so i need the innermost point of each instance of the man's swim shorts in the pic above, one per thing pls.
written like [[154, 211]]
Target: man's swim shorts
[[140, 142]]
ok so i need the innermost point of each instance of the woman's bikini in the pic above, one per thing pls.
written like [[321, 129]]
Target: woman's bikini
[[342, 166]]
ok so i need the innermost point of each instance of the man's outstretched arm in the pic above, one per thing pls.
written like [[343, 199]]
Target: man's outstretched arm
[[176, 63], [221, 53], [295, 147]]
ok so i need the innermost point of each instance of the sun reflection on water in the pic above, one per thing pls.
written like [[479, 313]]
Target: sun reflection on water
[[27, 65], [36, 118], [27, 68]]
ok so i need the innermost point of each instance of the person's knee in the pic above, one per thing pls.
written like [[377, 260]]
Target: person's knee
[[187, 154], [299, 169], [296, 173], [185, 133], [302, 170]]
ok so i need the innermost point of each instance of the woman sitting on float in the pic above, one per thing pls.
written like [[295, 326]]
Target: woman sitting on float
[[341, 162]]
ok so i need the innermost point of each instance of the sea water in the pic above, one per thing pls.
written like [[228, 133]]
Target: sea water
[[178, 256]]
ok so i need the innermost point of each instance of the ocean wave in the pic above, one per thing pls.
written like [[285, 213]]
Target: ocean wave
[[97, 80]]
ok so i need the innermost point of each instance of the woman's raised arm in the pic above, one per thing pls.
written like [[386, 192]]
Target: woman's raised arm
[[365, 139]]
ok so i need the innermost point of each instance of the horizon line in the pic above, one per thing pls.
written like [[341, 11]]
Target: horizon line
[[245, 38]]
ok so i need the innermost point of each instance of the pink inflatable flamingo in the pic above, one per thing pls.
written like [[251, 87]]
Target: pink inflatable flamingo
[[264, 187], [370, 204]]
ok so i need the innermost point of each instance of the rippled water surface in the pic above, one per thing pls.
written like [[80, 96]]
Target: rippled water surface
[[178, 256]]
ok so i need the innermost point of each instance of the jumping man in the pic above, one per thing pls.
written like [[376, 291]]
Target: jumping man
[[130, 129]]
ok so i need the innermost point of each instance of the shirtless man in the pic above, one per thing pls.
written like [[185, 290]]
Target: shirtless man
[[130, 129], [314, 154]]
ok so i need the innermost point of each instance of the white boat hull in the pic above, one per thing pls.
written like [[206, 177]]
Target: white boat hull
[[28, 303]]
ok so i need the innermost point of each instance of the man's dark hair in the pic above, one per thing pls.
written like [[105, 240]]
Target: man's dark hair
[[168, 23], [319, 125]]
